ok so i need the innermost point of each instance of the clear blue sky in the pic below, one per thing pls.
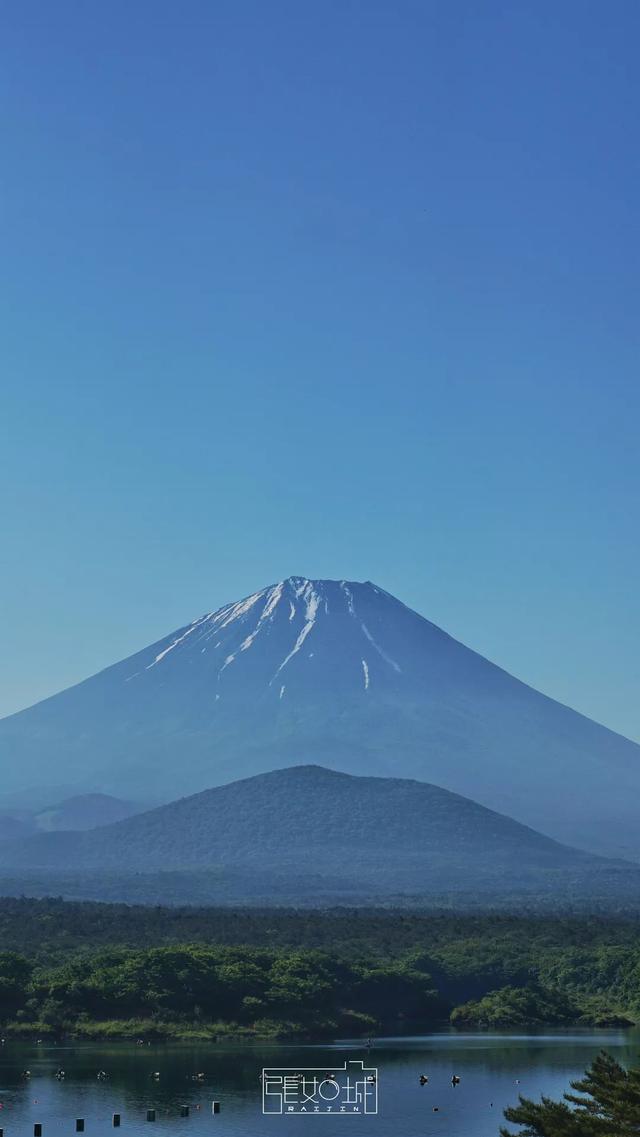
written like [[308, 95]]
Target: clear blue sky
[[343, 289]]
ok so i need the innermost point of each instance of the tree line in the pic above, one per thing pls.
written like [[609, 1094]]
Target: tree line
[[94, 967], [195, 989]]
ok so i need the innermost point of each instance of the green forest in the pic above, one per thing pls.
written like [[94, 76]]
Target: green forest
[[99, 970]]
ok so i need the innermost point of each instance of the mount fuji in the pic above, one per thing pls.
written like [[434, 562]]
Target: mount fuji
[[343, 675]]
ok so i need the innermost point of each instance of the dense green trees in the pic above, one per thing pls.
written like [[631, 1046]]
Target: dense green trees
[[303, 990], [15, 975], [517, 1007], [283, 970], [606, 1104]]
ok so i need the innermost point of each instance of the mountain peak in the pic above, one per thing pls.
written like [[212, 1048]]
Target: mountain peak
[[287, 612], [304, 772]]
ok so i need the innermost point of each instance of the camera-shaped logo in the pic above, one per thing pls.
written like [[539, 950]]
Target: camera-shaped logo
[[348, 1089]]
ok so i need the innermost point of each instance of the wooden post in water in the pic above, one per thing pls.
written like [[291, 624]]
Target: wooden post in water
[[116, 1121], [37, 1129], [79, 1124], [184, 1112], [151, 1115], [215, 1107]]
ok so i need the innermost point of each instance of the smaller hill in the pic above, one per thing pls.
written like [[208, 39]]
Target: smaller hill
[[85, 811], [308, 829]]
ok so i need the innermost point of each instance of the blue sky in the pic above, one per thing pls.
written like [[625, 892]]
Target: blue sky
[[345, 289]]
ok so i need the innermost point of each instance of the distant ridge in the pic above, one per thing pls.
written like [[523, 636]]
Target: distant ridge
[[338, 673], [86, 811], [75, 813]]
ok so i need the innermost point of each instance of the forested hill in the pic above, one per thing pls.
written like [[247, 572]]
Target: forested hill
[[281, 836]]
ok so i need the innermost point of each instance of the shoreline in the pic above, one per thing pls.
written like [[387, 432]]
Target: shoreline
[[145, 1033]]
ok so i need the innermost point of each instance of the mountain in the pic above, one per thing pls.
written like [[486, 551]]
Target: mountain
[[336, 673], [307, 830], [85, 811], [30, 799]]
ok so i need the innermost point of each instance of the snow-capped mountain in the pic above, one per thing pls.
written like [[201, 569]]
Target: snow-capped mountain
[[338, 673]]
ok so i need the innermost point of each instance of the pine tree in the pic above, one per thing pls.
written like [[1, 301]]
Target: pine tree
[[606, 1104]]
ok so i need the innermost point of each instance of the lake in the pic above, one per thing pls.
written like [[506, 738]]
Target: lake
[[493, 1069]]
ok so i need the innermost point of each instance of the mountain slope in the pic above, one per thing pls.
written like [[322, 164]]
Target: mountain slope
[[357, 836], [11, 827], [337, 673]]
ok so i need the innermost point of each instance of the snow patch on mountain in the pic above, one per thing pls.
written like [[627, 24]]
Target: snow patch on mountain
[[349, 595], [273, 599], [192, 628], [312, 603], [380, 651], [240, 609]]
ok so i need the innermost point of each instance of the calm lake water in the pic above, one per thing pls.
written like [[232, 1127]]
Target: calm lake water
[[493, 1068]]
